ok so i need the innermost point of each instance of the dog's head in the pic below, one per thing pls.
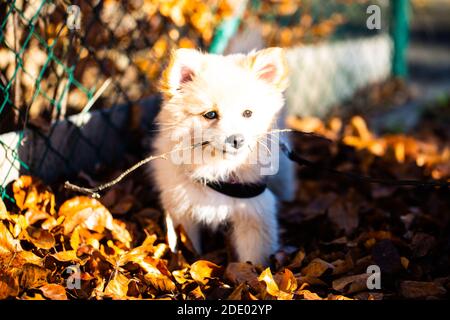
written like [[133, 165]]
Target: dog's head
[[230, 102]]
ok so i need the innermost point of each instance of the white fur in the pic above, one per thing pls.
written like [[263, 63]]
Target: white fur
[[229, 85]]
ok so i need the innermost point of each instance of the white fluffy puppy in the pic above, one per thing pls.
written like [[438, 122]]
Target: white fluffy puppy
[[225, 106]]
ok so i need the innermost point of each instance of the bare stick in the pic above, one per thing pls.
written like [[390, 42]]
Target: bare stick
[[94, 192]]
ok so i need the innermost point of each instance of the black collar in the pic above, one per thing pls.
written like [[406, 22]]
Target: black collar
[[238, 190]]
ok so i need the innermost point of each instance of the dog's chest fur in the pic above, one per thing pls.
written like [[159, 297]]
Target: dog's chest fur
[[184, 196]]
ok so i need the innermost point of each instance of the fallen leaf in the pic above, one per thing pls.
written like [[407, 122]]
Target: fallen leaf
[[54, 291], [42, 239], [337, 297], [33, 216], [317, 267], [344, 216], [351, 284], [120, 232], [286, 280], [75, 239], [202, 270], [32, 276], [87, 213], [421, 289], [3, 212], [66, 256], [298, 260], [117, 287], [7, 242], [31, 193], [308, 295], [272, 287], [240, 272], [9, 285]]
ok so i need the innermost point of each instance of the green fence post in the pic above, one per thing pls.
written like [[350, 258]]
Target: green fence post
[[400, 36], [227, 29]]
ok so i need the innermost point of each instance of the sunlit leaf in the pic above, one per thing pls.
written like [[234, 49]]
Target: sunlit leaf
[[7, 242], [85, 212], [202, 270], [54, 291], [117, 287], [31, 193]]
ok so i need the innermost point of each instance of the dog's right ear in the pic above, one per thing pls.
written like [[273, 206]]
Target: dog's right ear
[[182, 68]]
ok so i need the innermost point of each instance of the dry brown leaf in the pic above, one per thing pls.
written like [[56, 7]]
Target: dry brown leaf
[[3, 212], [238, 292], [240, 272], [120, 232], [316, 268], [337, 297], [309, 280], [32, 216], [160, 281], [87, 213], [308, 295], [286, 280], [54, 291], [298, 260], [344, 216], [272, 287], [421, 289], [202, 270], [351, 284], [9, 284], [32, 276], [197, 293], [7, 242], [138, 254], [181, 276], [117, 287], [75, 239], [66, 256], [41, 239], [31, 193]]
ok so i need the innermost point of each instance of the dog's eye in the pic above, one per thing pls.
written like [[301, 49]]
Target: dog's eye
[[247, 114], [211, 115]]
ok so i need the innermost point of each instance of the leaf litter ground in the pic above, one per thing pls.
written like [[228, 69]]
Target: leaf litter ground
[[59, 245]]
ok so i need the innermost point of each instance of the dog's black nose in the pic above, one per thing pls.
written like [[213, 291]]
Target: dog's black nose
[[235, 140]]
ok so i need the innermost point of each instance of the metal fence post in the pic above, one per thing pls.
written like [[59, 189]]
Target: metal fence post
[[227, 29], [400, 36]]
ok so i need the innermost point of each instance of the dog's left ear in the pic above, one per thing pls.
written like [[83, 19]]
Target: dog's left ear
[[270, 65], [183, 66]]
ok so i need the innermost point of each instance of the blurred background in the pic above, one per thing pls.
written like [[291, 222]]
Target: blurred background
[[78, 79]]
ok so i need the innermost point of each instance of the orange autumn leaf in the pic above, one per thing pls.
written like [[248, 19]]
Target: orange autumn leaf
[[41, 239], [54, 291], [202, 270], [31, 193], [7, 242], [85, 212], [117, 287], [3, 212], [272, 287]]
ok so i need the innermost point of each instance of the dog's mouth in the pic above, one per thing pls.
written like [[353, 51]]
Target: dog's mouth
[[221, 149]]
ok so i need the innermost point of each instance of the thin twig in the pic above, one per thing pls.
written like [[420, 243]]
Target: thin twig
[[94, 192]]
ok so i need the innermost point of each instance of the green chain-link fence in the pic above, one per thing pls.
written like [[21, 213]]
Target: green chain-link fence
[[53, 66]]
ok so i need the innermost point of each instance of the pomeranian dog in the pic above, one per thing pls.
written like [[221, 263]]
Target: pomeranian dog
[[218, 113]]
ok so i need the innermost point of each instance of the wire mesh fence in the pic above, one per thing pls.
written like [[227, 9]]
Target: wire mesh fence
[[61, 58]]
